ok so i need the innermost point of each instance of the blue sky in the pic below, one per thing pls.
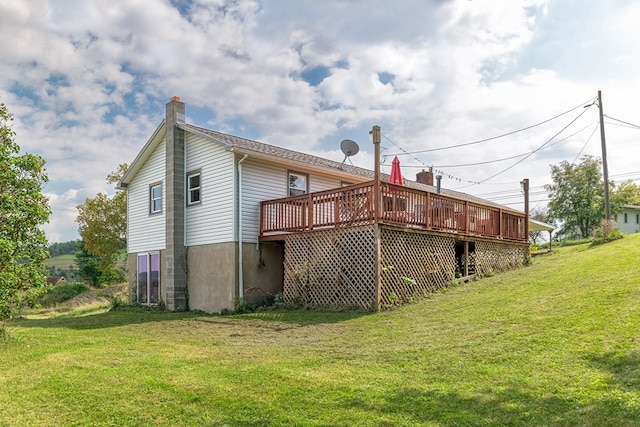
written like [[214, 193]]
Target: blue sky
[[87, 83]]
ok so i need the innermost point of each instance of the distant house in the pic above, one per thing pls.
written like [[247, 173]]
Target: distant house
[[629, 219], [212, 215], [56, 280]]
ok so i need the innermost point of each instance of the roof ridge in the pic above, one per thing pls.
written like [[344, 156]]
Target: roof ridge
[[322, 162]]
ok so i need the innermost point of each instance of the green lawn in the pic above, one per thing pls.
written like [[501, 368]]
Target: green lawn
[[62, 261], [556, 343]]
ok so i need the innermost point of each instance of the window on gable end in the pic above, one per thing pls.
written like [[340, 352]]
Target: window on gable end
[[193, 188], [155, 198]]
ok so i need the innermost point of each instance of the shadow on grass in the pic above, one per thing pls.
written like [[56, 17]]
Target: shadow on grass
[[501, 407], [123, 317], [623, 368]]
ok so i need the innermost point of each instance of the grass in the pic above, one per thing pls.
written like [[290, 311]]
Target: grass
[[62, 262], [556, 343]]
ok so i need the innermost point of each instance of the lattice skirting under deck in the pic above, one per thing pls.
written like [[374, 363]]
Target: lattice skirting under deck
[[497, 256], [331, 268], [336, 267]]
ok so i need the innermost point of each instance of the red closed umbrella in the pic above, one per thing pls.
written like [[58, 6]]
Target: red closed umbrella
[[396, 175]]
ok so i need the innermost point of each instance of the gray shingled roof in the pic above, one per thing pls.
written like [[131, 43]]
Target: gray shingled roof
[[243, 144]]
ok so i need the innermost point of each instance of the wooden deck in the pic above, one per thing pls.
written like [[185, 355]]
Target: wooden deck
[[357, 205]]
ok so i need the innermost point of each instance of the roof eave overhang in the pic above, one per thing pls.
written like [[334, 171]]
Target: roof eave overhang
[[142, 157]]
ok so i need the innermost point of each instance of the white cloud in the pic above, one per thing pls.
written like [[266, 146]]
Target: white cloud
[[87, 81]]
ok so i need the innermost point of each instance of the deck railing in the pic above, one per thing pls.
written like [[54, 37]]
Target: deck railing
[[355, 205]]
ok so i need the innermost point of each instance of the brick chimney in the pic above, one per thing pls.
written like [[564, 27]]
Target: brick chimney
[[175, 254], [425, 177]]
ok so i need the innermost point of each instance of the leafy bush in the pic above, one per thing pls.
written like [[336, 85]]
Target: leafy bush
[[607, 232], [62, 293]]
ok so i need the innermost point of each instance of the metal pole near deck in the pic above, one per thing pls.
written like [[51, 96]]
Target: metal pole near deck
[[525, 188]]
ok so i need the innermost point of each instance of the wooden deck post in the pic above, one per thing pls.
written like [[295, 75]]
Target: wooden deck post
[[427, 211], [375, 133], [377, 267], [465, 273], [466, 217], [309, 212]]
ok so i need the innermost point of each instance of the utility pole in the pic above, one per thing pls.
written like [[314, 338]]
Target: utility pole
[[605, 170]]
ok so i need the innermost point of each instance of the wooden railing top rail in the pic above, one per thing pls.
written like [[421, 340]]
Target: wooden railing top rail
[[273, 221], [399, 189]]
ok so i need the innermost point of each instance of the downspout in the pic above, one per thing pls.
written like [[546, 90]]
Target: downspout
[[240, 278]]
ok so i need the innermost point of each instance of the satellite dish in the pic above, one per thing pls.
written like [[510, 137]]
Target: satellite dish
[[349, 148]]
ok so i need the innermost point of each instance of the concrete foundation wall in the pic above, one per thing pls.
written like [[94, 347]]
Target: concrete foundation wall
[[212, 278], [213, 274], [263, 266]]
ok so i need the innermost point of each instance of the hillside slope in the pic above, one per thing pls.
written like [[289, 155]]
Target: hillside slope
[[556, 343]]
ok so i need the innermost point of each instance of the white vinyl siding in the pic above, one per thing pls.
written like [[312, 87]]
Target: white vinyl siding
[[266, 181], [260, 181], [210, 221], [146, 232], [323, 182]]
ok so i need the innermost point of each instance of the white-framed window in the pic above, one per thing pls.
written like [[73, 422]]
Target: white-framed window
[[193, 188], [298, 183], [148, 278], [155, 198]]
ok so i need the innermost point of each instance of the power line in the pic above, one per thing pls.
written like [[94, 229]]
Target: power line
[[622, 121], [517, 155], [618, 175], [621, 125], [507, 197], [539, 148], [585, 144], [531, 201], [494, 137], [440, 172], [506, 191]]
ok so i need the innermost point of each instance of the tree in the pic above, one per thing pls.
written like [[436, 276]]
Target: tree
[[23, 209], [63, 248], [89, 266], [626, 193], [577, 196], [103, 228]]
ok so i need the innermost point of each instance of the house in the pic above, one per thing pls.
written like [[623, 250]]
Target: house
[[56, 280], [211, 216], [629, 219]]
